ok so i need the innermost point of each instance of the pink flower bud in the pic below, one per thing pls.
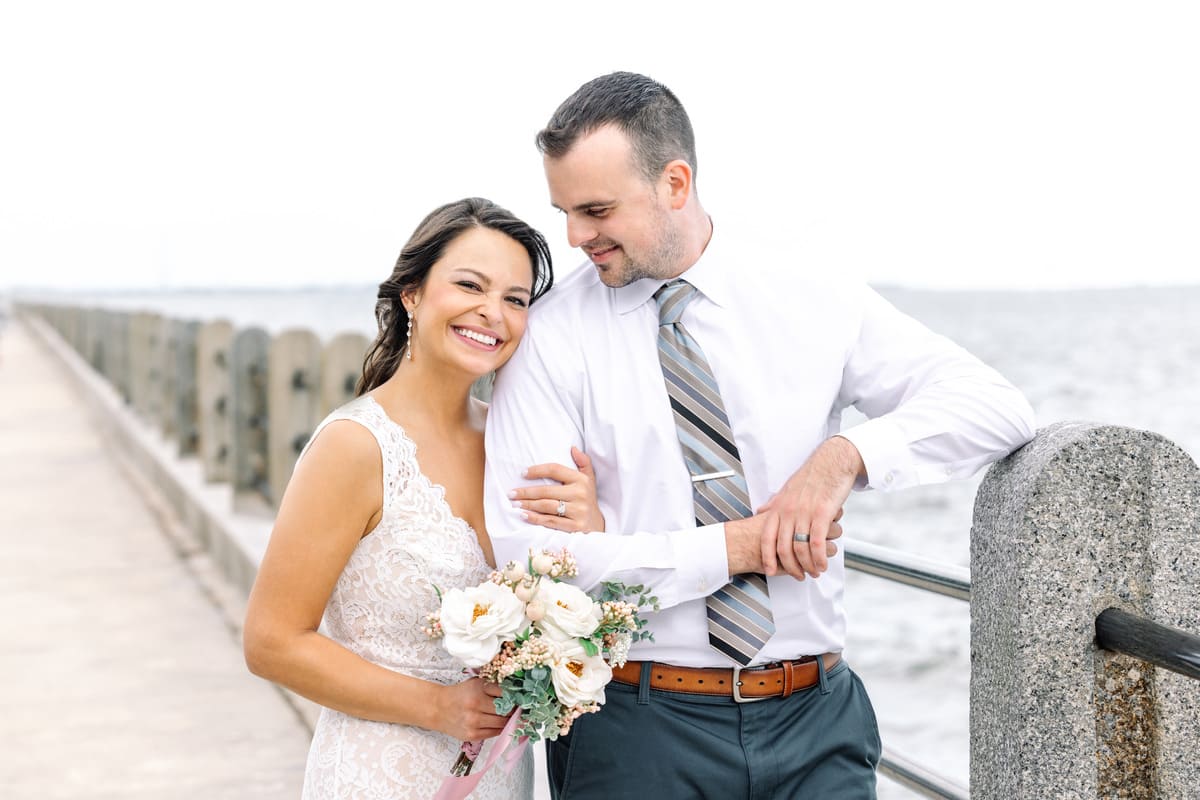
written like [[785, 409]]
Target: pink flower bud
[[535, 610], [542, 564], [524, 592]]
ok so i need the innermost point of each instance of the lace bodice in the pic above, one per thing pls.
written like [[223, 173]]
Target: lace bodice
[[382, 597], [377, 609]]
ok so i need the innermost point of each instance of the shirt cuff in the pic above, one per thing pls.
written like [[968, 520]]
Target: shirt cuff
[[884, 450], [709, 558]]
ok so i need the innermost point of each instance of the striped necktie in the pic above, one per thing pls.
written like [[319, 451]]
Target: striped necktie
[[739, 613]]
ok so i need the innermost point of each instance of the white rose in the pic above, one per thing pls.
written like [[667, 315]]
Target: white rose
[[570, 613], [578, 677], [478, 620]]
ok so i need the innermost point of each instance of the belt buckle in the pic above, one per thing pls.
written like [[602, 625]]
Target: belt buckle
[[737, 688]]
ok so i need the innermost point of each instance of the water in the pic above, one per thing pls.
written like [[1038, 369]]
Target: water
[[1127, 357]]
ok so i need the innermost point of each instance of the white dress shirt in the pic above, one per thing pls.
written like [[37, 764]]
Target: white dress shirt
[[788, 354]]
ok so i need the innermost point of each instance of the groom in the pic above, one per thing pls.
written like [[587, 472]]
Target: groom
[[707, 388]]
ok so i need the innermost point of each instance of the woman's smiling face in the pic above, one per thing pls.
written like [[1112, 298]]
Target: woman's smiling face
[[470, 312]]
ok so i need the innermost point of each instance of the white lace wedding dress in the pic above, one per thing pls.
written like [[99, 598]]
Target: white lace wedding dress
[[376, 610]]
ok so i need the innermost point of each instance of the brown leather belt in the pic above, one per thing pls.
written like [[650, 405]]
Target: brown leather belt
[[742, 684]]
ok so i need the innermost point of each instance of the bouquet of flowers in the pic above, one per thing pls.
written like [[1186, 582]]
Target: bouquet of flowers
[[546, 643]]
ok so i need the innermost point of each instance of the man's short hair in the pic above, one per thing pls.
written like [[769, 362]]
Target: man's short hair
[[646, 111]]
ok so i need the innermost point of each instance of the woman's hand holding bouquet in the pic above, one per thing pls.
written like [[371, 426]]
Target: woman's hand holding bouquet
[[547, 645]]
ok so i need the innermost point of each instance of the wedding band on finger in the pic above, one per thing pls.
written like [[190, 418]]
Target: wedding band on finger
[[562, 508], [800, 537]]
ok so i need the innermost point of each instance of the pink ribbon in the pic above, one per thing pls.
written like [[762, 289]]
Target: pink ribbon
[[457, 788]]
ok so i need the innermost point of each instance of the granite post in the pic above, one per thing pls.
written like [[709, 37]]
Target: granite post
[[1084, 517]]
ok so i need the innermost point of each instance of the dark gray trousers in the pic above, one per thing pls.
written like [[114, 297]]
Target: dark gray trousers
[[822, 742]]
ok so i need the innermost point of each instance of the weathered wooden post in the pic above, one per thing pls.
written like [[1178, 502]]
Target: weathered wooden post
[[341, 366], [293, 400], [1084, 518], [248, 391], [214, 343]]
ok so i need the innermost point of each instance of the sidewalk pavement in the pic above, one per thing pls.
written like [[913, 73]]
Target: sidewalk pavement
[[120, 677]]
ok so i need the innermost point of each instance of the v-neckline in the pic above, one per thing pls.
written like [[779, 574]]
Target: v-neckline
[[436, 488]]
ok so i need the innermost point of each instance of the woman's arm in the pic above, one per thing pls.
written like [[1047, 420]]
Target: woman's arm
[[334, 498]]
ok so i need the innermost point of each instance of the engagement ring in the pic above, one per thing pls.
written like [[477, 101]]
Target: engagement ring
[[562, 508]]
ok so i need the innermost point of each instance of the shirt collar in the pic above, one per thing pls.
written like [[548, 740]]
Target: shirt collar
[[710, 275]]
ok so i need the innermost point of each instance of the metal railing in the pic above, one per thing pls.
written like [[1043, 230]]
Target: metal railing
[[931, 576], [921, 573], [1161, 645], [913, 776]]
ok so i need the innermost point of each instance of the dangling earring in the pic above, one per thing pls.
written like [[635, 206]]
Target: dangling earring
[[408, 335]]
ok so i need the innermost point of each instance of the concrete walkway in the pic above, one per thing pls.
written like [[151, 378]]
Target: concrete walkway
[[120, 674]]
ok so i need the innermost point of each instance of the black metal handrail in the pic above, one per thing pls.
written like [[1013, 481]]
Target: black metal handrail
[[1161, 645]]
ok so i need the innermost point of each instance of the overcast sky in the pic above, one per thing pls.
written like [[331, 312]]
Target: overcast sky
[[1014, 144]]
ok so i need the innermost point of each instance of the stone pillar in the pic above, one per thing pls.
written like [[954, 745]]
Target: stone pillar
[[171, 348], [248, 381], [159, 328], [214, 341], [100, 333], [341, 366], [121, 332], [92, 333], [72, 319], [293, 403], [146, 358], [1083, 518], [138, 361], [180, 420]]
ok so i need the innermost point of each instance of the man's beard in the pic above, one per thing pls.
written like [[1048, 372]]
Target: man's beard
[[662, 262]]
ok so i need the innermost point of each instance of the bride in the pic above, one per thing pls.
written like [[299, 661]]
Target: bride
[[385, 507]]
